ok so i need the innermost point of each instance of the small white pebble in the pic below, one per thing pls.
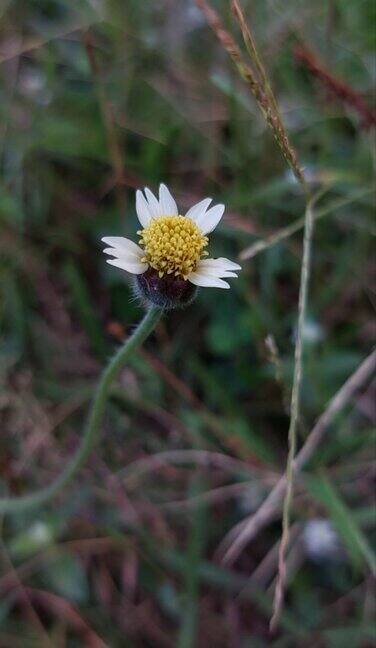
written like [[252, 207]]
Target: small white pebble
[[320, 539], [40, 533]]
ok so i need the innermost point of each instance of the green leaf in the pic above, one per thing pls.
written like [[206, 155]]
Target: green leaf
[[350, 636], [188, 629]]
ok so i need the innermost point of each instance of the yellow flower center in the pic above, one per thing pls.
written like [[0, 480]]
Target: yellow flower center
[[173, 244]]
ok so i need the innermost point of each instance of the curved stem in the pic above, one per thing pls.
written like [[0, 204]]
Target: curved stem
[[92, 429]]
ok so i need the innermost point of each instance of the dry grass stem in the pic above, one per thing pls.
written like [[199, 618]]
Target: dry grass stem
[[256, 85], [26, 603], [257, 81], [337, 88], [203, 458], [289, 230], [294, 416], [275, 359], [214, 496], [250, 44], [265, 571], [247, 530]]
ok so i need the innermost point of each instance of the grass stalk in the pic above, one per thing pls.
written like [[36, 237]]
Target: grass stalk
[[250, 44], [255, 76], [294, 414], [257, 84]]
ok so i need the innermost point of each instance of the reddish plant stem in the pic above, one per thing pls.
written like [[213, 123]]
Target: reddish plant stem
[[336, 87]]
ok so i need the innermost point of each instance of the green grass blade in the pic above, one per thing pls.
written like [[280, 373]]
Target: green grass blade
[[188, 629], [82, 303]]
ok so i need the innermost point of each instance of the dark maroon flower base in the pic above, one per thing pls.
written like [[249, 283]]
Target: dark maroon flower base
[[167, 291]]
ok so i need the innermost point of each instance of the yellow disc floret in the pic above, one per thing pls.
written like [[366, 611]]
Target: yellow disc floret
[[173, 244]]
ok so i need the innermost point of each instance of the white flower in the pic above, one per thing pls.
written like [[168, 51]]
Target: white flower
[[171, 244]]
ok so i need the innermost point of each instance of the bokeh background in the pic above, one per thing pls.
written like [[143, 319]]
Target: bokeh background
[[98, 98]]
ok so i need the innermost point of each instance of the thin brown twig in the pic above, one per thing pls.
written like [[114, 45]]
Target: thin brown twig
[[204, 458], [95, 546], [63, 609], [264, 573], [213, 422], [18, 47], [176, 383], [172, 379], [25, 599], [113, 144], [213, 496], [245, 531], [337, 88]]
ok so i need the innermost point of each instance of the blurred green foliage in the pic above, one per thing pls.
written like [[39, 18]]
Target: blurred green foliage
[[98, 98]]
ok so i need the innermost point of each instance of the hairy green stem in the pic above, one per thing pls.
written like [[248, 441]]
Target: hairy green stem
[[92, 428]]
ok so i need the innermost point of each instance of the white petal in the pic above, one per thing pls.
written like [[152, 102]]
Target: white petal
[[220, 274], [132, 267], [124, 254], [123, 244], [198, 210], [142, 208], [154, 206], [217, 267], [210, 270], [226, 264], [210, 219], [166, 201], [199, 279]]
